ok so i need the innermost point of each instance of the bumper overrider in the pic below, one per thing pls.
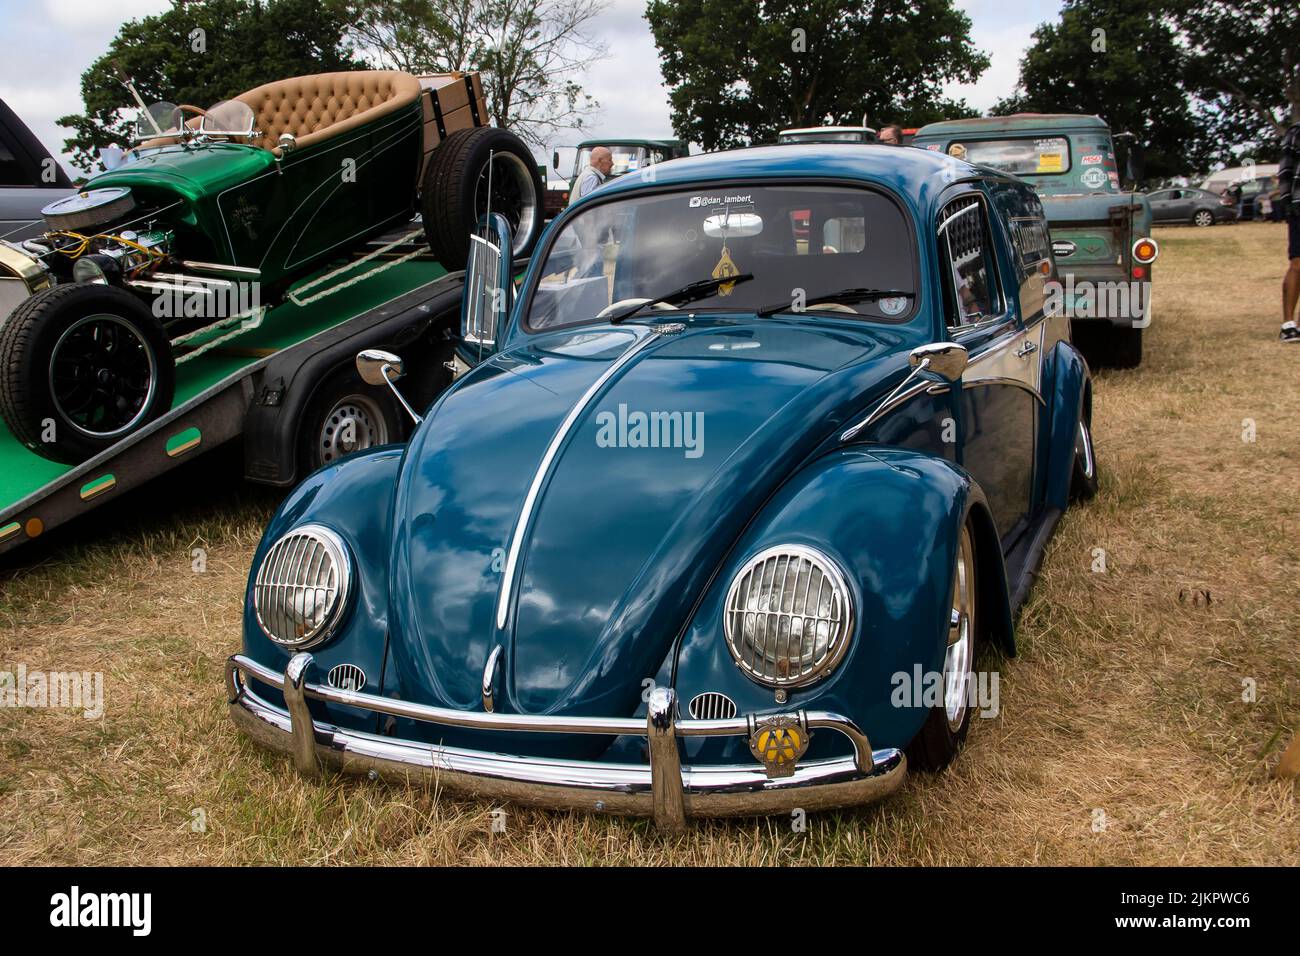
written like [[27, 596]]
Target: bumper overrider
[[663, 788]]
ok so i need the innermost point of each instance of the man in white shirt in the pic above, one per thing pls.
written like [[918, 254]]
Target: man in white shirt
[[597, 171]]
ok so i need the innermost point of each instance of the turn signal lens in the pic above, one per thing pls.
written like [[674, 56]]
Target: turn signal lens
[[1139, 272], [1145, 251]]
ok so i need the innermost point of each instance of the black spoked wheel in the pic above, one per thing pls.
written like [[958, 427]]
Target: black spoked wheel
[[469, 169], [82, 367], [102, 375]]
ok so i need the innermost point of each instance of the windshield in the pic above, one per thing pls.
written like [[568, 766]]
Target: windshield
[[627, 159], [1021, 157], [822, 136], [798, 242]]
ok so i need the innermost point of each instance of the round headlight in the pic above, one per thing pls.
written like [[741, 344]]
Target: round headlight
[[302, 586], [789, 616], [93, 269]]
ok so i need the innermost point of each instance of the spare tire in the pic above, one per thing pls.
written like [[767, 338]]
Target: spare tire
[[82, 367], [454, 195]]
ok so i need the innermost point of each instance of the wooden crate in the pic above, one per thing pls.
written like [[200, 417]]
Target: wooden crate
[[452, 101]]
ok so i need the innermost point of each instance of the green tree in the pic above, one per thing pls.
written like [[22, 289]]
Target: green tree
[[530, 52], [741, 70], [200, 53], [1120, 60], [1244, 63]]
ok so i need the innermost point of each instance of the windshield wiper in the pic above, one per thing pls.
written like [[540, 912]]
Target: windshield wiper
[[688, 293], [844, 295]]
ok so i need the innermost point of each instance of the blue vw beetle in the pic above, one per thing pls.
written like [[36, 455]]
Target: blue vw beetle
[[761, 441]]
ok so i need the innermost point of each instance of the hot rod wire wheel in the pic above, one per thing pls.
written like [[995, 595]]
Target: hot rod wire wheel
[[82, 367], [948, 721], [1083, 478], [455, 192], [344, 416]]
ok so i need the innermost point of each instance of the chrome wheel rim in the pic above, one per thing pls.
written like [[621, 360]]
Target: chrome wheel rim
[[102, 376], [356, 422], [513, 194], [961, 636], [1204, 218], [1083, 449]]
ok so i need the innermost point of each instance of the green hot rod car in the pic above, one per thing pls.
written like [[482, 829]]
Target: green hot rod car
[[213, 215]]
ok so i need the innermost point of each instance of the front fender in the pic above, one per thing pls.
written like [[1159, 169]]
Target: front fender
[[354, 498], [891, 518]]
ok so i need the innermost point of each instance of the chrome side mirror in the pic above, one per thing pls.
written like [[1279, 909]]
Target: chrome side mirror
[[946, 359], [287, 143], [377, 367]]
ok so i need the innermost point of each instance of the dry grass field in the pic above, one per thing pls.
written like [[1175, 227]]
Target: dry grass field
[[1123, 736]]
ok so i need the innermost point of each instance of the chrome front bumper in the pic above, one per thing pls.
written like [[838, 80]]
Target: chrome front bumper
[[663, 789]]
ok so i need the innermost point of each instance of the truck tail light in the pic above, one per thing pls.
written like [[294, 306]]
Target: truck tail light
[[1145, 251]]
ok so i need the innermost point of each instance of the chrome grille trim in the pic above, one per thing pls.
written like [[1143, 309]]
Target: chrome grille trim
[[346, 677], [712, 706], [781, 612], [311, 564]]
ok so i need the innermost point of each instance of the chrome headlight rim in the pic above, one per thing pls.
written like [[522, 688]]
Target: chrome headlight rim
[[277, 562], [833, 574]]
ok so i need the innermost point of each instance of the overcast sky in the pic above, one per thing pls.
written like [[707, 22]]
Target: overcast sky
[[46, 44]]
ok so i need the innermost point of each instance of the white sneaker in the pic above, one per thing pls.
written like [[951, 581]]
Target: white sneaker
[[1289, 333]]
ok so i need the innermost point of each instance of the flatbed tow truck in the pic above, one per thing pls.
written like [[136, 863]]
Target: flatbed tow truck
[[286, 385]]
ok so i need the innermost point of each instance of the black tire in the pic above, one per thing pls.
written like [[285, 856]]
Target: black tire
[[1203, 217], [454, 194], [118, 371], [941, 737], [1123, 347], [346, 415], [1083, 475]]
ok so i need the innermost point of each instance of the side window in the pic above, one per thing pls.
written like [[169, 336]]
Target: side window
[[11, 171], [970, 291]]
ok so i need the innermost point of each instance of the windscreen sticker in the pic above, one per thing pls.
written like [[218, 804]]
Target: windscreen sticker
[[725, 267], [933, 147], [1050, 163], [957, 151], [698, 202], [1114, 179]]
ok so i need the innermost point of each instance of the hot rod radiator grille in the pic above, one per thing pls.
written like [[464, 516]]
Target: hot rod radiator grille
[[788, 616]]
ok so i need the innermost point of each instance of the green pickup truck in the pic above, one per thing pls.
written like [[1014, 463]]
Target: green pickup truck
[[1100, 233]]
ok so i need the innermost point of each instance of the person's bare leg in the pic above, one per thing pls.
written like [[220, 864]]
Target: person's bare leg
[[1290, 290]]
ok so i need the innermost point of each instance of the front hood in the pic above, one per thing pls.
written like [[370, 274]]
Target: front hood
[[192, 171], [623, 535]]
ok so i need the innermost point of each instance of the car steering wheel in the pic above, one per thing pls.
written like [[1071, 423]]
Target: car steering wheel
[[614, 306]]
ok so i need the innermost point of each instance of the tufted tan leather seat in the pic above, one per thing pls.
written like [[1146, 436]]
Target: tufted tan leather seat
[[314, 108]]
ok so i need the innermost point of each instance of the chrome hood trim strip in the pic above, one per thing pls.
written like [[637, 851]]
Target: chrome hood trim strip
[[544, 468]]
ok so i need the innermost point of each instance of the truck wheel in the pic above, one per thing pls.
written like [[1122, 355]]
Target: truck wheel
[[1124, 347], [344, 416], [947, 723], [456, 190], [82, 367]]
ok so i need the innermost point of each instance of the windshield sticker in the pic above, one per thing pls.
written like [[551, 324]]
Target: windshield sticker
[[957, 151], [893, 305], [1050, 163], [706, 201], [933, 147], [1093, 178], [725, 267], [1092, 159]]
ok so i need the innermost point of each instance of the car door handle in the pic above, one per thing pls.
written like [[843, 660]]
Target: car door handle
[[1026, 349]]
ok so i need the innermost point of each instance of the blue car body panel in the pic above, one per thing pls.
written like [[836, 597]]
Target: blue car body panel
[[628, 558]]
